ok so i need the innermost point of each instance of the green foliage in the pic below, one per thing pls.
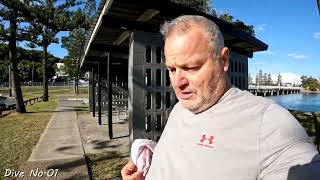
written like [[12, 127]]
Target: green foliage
[[49, 17], [239, 24], [200, 5], [279, 81], [204, 6], [75, 42], [265, 79], [27, 59], [310, 83]]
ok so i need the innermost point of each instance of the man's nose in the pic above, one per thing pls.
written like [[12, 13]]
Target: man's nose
[[181, 80]]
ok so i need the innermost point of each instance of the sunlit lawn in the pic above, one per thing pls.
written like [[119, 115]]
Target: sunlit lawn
[[19, 133]]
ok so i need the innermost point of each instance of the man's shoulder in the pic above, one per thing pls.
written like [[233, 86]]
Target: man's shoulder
[[177, 108], [247, 100]]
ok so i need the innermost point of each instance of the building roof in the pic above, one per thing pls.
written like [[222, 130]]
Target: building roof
[[116, 19]]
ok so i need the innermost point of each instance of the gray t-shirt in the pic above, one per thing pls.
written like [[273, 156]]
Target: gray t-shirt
[[241, 137]]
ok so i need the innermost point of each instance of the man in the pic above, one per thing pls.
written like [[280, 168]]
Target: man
[[217, 131]]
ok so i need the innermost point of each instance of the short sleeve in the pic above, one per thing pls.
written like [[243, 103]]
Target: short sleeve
[[283, 143]]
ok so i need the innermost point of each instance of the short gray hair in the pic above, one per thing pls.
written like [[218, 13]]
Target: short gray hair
[[183, 24]]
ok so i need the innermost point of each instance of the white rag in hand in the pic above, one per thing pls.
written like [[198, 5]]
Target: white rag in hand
[[141, 154]]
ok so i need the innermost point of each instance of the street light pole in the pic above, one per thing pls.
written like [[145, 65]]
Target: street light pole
[[32, 72], [10, 90]]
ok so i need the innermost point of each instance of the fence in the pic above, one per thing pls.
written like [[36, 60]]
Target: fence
[[60, 83], [13, 106]]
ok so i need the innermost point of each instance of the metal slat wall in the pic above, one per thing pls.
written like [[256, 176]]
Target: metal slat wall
[[151, 97], [238, 70]]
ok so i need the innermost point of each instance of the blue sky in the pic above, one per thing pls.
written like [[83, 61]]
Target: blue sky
[[291, 28]]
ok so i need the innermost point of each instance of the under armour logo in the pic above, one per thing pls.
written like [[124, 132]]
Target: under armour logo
[[206, 141], [210, 140]]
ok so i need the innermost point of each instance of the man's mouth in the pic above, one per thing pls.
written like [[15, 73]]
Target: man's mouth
[[185, 95]]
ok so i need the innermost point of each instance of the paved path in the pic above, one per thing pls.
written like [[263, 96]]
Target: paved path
[[68, 137], [60, 146]]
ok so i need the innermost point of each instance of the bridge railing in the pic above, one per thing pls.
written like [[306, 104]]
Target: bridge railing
[[273, 87]]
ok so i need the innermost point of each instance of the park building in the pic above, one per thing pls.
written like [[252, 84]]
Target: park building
[[124, 58]]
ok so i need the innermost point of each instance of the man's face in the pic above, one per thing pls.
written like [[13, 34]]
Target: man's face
[[193, 70]]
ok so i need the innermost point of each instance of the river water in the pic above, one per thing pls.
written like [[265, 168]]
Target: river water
[[300, 102]]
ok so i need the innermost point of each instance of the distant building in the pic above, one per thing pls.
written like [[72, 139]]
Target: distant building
[[288, 84], [60, 70]]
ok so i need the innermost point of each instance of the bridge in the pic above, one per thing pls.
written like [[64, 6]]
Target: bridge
[[272, 90]]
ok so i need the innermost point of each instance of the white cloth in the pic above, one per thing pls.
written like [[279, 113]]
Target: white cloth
[[141, 154]]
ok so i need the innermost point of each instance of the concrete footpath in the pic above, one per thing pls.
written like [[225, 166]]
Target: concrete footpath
[[59, 152], [68, 137]]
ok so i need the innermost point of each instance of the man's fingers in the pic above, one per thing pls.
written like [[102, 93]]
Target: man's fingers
[[137, 175], [129, 172]]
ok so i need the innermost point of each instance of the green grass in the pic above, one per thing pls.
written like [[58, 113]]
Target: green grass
[[106, 165], [36, 91], [31, 92], [20, 133]]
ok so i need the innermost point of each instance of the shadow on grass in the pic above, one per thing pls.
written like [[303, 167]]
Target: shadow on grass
[[99, 144], [65, 166], [106, 165]]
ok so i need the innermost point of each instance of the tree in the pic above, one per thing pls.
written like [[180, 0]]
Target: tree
[[29, 64], [200, 5], [260, 77], [204, 6], [269, 80], [304, 81], [265, 79], [12, 11], [249, 79], [237, 23], [51, 17], [75, 42], [279, 81], [310, 83]]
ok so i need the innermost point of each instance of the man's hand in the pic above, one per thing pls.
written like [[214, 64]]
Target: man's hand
[[129, 172]]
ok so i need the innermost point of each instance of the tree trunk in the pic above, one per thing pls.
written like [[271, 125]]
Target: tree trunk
[[13, 63], [74, 86], [44, 74], [77, 86]]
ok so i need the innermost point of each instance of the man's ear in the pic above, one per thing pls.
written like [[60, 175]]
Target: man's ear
[[225, 58]]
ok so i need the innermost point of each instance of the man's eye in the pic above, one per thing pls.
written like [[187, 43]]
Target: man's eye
[[172, 69], [192, 68]]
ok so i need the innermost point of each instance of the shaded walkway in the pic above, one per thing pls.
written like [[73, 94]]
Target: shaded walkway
[[60, 146]]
